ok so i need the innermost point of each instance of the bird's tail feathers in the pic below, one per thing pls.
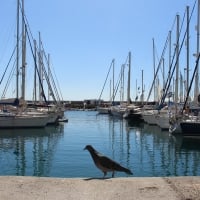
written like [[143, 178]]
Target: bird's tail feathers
[[128, 171]]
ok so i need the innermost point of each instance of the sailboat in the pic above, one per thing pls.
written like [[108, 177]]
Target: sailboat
[[11, 120], [164, 113], [103, 108], [15, 114], [190, 121], [54, 108], [150, 112], [133, 111], [120, 110]]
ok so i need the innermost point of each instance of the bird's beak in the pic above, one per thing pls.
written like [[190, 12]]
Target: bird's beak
[[84, 148]]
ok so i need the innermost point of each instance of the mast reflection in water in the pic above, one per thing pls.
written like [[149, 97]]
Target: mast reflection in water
[[28, 151], [58, 151]]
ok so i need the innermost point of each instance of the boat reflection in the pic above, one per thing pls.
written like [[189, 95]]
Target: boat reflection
[[28, 151], [153, 152], [134, 124], [35, 132], [191, 143], [187, 143], [120, 140]]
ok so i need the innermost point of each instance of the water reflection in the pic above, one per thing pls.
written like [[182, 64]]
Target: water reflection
[[28, 151], [149, 151], [119, 140], [187, 143], [58, 151], [191, 144], [130, 124]]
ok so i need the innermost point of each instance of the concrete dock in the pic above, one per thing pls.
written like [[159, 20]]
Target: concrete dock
[[161, 188]]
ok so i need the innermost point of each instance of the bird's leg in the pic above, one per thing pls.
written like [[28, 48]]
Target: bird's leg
[[104, 174], [113, 174]]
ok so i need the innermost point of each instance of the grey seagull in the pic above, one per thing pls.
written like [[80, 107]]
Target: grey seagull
[[104, 163]]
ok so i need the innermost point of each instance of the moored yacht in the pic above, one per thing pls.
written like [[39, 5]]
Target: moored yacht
[[149, 116], [11, 120]]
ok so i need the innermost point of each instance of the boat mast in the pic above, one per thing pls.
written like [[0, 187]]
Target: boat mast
[[170, 65], [35, 73], [196, 89], [113, 81], [187, 43], [111, 96], [170, 53], [122, 83], [23, 53], [40, 70], [136, 89], [177, 60], [48, 63], [17, 64], [129, 79], [157, 70], [154, 69], [163, 72], [142, 95]]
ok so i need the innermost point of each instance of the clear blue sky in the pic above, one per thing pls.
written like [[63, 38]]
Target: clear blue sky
[[83, 37]]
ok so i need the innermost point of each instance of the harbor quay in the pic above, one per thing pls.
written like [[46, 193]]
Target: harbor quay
[[140, 188], [94, 103]]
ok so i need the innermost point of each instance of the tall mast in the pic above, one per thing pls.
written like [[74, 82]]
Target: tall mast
[[40, 70], [196, 89], [129, 79], [17, 64], [48, 76], [142, 99], [170, 55], [122, 83], [177, 60], [113, 81], [136, 87], [35, 79], [163, 72], [154, 69], [23, 53], [188, 45], [111, 96]]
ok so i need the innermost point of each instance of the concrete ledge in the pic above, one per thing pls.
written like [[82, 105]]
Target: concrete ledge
[[161, 188]]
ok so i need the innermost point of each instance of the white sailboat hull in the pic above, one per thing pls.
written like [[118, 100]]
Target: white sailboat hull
[[23, 121], [163, 121], [118, 111], [103, 110], [150, 116]]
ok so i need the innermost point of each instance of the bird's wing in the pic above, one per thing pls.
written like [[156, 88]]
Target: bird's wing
[[108, 163], [112, 165]]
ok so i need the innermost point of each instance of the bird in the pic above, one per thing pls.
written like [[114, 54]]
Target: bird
[[106, 164]]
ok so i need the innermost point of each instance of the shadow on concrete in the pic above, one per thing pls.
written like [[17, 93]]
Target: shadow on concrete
[[94, 178]]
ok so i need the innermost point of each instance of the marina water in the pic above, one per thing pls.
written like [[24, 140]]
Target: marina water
[[57, 151]]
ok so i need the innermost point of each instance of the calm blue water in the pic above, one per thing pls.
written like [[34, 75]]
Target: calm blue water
[[58, 151]]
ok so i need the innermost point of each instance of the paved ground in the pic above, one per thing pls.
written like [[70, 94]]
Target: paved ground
[[25, 188]]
